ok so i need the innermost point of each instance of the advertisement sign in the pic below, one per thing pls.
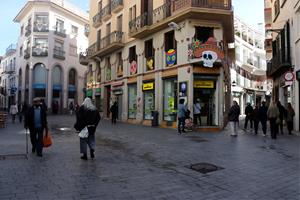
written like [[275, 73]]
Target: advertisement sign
[[204, 84], [148, 86]]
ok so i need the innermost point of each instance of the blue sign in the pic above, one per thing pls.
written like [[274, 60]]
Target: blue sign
[[39, 86], [72, 88], [57, 87]]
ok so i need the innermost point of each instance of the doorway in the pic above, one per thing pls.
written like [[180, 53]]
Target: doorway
[[107, 94], [119, 100]]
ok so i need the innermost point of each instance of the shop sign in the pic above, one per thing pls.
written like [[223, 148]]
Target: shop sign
[[148, 86], [118, 91], [204, 84], [97, 91], [89, 93]]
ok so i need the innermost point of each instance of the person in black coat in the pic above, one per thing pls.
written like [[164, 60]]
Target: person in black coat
[[87, 116], [114, 112], [263, 117], [282, 115], [249, 115], [233, 117], [36, 122]]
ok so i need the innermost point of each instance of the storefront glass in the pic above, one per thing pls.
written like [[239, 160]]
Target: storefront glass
[[149, 106], [132, 107], [170, 99]]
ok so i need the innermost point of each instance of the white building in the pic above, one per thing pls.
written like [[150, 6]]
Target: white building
[[52, 33], [249, 82], [8, 78]]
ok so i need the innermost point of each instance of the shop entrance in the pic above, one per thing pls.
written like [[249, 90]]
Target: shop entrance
[[119, 100], [107, 94], [208, 105]]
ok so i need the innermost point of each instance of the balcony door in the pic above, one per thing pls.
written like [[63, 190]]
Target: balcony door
[[146, 10]]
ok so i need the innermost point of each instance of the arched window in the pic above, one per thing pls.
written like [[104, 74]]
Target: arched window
[[72, 77], [56, 75], [39, 73]]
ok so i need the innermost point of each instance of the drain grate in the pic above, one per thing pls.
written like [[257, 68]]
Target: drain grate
[[204, 167], [13, 157]]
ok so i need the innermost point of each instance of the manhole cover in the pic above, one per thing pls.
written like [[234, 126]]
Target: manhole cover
[[13, 157], [204, 167]]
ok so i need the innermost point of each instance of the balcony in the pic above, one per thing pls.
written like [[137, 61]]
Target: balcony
[[26, 53], [59, 53], [60, 32], [116, 5], [278, 65], [177, 11], [10, 69], [106, 12], [108, 44], [83, 59], [40, 51], [40, 27], [28, 30], [97, 20], [92, 50]]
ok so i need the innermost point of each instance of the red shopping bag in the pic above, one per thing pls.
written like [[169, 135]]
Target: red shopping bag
[[47, 140]]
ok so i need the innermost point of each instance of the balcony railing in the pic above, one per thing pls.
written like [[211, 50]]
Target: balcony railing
[[10, 69], [278, 63], [97, 20], [83, 58], [116, 5], [60, 32], [28, 30], [215, 4], [114, 37], [59, 53], [40, 27], [106, 12], [92, 49], [26, 53], [40, 51]]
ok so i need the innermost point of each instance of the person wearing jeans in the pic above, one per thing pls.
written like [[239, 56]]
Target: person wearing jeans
[[233, 117], [181, 116]]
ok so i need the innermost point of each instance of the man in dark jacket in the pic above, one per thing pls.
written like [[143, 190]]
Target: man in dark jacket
[[36, 122], [114, 112], [263, 117], [233, 117], [249, 115], [282, 115]]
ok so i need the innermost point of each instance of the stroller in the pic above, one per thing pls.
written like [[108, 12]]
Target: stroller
[[188, 122]]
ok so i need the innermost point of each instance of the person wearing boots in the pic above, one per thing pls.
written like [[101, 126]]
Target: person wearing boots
[[87, 116]]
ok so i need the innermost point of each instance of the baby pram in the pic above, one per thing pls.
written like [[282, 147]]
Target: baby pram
[[188, 122]]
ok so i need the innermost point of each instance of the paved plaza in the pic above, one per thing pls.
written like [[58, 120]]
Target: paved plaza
[[138, 162]]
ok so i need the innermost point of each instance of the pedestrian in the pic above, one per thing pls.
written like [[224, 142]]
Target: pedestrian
[[114, 112], [13, 111], [181, 116], [45, 107], [273, 115], [22, 109], [249, 116], [87, 116], [233, 117], [263, 117], [197, 113], [71, 108], [255, 117], [36, 122], [289, 118], [282, 115]]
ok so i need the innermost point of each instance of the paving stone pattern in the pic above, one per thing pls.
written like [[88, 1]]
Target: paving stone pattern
[[138, 162]]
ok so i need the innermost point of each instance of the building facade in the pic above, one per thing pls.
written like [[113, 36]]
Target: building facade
[[147, 54], [52, 33], [282, 43], [249, 81], [8, 78]]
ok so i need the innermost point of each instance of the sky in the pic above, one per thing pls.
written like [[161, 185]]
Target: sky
[[9, 31]]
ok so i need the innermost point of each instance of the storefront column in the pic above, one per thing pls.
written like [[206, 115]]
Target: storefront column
[[30, 85]]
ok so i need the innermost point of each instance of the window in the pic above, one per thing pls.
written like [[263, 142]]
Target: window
[[119, 23], [59, 45], [149, 104], [132, 13], [170, 42], [132, 54], [170, 99], [99, 6], [22, 30], [149, 55], [74, 30], [73, 50], [41, 22], [203, 33], [132, 107], [59, 25], [21, 51]]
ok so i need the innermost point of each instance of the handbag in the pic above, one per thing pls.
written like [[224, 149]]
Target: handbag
[[47, 140], [84, 133]]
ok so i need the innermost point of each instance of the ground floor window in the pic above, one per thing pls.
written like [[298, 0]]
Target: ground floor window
[[132, 107], [170, 99], [149, 104]]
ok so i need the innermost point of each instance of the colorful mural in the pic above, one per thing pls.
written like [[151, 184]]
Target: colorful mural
[[209, 52], [171, 57], [133, 67]]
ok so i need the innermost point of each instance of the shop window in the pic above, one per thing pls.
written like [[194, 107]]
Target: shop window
[[132, 102], [203, 33], [170, 99], [149, 100], [149, 55], [170, 48]]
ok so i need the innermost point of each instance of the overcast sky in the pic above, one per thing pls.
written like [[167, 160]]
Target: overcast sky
[[251, 11]]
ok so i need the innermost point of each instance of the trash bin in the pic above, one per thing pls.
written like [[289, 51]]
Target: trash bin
[[154, 118]]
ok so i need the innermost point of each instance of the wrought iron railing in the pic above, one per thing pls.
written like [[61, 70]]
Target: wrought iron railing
[[97, 20], [40, 51], [105, 11], [114, 37], [116, 3], [58, 53], [92, 49], [40, 27], [60, 31]]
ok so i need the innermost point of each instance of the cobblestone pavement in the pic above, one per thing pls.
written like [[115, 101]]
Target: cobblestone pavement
[[137, 162]]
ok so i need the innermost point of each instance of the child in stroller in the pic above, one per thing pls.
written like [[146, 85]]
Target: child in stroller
[[188, 121]]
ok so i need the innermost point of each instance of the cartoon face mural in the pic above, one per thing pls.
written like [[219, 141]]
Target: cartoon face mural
[[171, 57], [208, 58]]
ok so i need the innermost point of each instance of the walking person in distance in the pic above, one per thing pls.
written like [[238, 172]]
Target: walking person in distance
[[249, 116], [181, 116], [114, 112], [233, 117], [87, 116], [273, 115], [263, 117], [197, 113], [289, 118], [13, 111]]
